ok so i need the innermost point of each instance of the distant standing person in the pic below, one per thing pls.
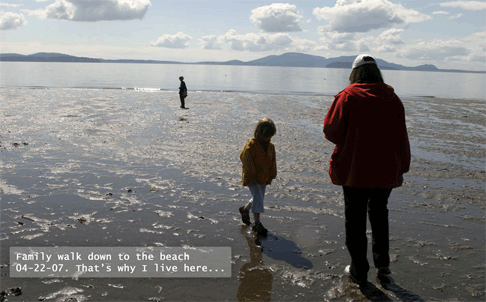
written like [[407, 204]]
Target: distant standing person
[[259, 169], [182, 92], [366, 121]]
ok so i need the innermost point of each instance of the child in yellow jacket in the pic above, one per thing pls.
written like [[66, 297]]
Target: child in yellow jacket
[[259, 169]]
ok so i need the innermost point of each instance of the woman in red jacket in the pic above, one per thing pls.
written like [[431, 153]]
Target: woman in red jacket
[[367, 123]]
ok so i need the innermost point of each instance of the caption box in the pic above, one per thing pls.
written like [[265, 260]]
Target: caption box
[[120, 262]]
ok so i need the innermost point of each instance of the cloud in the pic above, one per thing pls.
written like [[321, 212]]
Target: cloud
[[210, 42], [478, 58], [10, 20], [391, 36], [386, 48], [438, 50], [469, 5], [265, 42], [343, 41], [277, 17], [303, 45], [447, 13], [333, 36], [360, 45], [93, 10], [476, 43], [462, 50], [455, 16], [10, 5], [366, 15], [441, 12], [179, 40], [385, 42], [256, 42]]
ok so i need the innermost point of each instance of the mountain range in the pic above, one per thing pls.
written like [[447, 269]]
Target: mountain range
[[290, 59]]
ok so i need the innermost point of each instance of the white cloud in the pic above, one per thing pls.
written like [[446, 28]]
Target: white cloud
[[277, 17], [435, 50], [210, 42], [449, 53], [455, 16], [366, 15], [344, 42], [179, 40], [386, 48], [256, 42], [303, 45], [10, 20], [441, 12], [453, 53], [93, 10], [266, 42], [469, 5], [476, 43], [385, 42], [391, 36], [478, 58], [10, 5], [360, 46], [333, 36], [451, 17], [447, 13]]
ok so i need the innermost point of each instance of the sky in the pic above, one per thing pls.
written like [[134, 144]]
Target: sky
[[449, 34]]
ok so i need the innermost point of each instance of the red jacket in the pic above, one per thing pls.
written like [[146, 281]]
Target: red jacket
[[367, 124]]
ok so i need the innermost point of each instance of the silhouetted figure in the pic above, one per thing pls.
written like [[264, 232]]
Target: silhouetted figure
[[182, 92], [367, 123]]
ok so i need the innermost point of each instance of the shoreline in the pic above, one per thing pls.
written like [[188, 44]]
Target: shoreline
[[129, 168], [251, 92]]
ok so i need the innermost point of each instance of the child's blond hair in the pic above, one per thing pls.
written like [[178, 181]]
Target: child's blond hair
[[265, 128]]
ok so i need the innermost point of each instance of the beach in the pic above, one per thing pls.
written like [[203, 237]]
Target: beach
[[115, 167]]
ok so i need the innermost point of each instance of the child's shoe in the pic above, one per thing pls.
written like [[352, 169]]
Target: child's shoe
[[259, 229], [245, 215]]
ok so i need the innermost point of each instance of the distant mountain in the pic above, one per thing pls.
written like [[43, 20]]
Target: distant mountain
[[347, 62], [232, 62], [45, 57], [11, 55], [290, 59]]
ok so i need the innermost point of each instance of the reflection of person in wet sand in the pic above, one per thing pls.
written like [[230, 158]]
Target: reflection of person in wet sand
[[182, 92], [255, 280], [367, 123]]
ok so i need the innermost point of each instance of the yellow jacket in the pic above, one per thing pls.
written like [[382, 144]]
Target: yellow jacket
[[258, 166]]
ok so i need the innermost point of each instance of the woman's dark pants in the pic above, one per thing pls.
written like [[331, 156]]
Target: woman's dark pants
[[357, 203]]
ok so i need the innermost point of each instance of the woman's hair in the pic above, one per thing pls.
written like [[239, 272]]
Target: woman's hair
[[366, 73], [181, 78], [265, 127]]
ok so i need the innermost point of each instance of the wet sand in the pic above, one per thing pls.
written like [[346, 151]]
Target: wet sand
[[130, 168]]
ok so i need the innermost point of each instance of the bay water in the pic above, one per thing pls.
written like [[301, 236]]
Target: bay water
[[259, 79]]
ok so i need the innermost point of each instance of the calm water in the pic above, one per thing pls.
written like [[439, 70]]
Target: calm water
[[326, 81]]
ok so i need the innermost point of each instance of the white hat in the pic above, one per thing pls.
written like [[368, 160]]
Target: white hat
[[359, 61]]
